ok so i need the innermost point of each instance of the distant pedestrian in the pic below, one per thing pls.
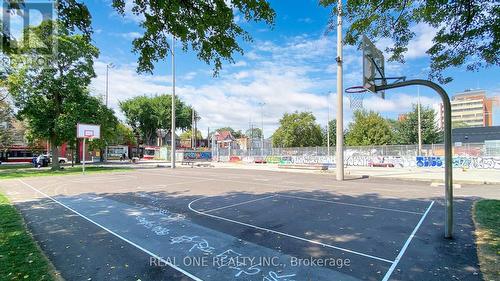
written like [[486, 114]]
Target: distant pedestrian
[[39, 161]]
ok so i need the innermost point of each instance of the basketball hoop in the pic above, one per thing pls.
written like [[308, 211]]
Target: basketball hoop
[[356, 95]]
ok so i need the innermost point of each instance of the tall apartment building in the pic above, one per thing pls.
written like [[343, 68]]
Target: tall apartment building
[[472, 108]]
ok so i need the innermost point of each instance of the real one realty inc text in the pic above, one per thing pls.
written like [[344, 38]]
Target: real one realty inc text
[[239, 261]]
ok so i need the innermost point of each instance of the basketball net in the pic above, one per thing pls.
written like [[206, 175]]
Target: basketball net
[[356, 101]]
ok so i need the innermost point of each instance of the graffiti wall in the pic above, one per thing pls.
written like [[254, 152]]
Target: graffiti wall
[[467, 162], [197, 155]]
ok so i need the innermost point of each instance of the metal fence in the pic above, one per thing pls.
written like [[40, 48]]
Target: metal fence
[[469, 149]]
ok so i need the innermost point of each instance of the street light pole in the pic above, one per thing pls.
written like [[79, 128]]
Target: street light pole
[[262, 129], [173, 148], [108, 66], [419, 124], [328, 131], [340, 99]]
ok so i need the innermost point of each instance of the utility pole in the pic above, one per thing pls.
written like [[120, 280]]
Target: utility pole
[[328, 127], [262, 129], [340, 100], [419, 123], [108, 66], [193, 128], [172, 158]]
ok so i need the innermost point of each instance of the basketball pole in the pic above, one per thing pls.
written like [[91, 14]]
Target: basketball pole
[[172, 134], [448, 149], [83, 163], [340, 100]]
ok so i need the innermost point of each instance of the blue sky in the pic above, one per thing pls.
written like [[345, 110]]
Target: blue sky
[[289, 67]]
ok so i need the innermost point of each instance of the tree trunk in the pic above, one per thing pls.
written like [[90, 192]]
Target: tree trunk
[[55, 153], [77, 156]]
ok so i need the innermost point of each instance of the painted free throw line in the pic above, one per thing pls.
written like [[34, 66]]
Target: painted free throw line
[[113, 233], [284, 234]]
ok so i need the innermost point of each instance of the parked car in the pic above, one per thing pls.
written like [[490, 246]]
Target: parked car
[[62, 160]]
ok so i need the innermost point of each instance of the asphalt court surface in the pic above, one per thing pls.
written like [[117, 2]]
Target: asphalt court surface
[[221, 224]]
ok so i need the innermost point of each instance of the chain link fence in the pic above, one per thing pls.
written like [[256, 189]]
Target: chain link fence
[[469, 149]]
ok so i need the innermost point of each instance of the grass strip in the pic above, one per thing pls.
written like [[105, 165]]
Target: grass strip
[[34, 172], [487, 220], [20, 256]]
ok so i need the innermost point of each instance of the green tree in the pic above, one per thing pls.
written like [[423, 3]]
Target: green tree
[[6, 133], [148, 114], [459, 124], [123, 135], [47, 95], [298, 129], [208, 27], [255, 133], [237, 134], [407, 129], [186, 135], [332, 132], [467, 30], [368, 128]]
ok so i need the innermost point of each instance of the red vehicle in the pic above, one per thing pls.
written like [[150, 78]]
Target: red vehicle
[[18, 153], [151, 152]]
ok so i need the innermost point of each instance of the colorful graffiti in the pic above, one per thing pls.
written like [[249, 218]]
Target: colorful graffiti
[[429, 161], [467, 162], [197, 155]]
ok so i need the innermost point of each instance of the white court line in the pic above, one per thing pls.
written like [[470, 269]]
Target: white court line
[[350, 204], [286, 234], [241, 203], [288, 186], [405, 246], [115, 234]]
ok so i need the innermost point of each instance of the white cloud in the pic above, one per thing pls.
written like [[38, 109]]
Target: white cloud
[[397, 102], [305, 20], [286, 77], [128, 35], [418, 46]]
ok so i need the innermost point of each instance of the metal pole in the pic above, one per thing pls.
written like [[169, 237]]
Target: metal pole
[[172, 158], [192, 129], [262, 130], [419, 124], [107, 82], [340, 99], [107, 91], [328, 128], [83, 163], [448, 160]]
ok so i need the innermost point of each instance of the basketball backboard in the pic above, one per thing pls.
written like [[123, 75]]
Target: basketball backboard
[[88, 131], [373, 67]]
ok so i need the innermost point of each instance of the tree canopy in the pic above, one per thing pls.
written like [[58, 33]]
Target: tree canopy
[[208, 27], [255, 133], [187, 135], [368, 128], [467, 30], [406, 130], [298, 129], [6, 133], [333, 133], [148, 114], [49, 96]]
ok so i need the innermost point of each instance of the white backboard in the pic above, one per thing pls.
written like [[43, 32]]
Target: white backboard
[[88, 131]]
